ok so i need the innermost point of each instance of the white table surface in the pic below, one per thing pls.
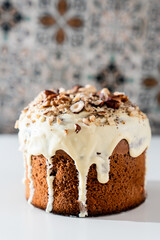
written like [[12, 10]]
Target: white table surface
[[20, 221]]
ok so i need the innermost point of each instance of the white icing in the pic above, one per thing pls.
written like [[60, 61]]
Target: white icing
[[82, 147], [31, 187], [50, 187], [24, 178]]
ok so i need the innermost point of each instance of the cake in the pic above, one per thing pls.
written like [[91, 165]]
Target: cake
[[84, 151]]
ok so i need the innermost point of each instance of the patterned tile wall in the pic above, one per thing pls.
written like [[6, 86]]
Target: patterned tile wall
[[52, 43]]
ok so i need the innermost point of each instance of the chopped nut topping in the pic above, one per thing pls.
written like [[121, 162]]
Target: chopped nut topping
[[96, 102], [76, 98], [25, 109], [100, 107], [46, 104], [133, 113], [85, 121], [51, 119], [66, 131], [61, 90], [92, 118], [91, 88], [77, 107], [130, 109], [113, 103], [103, 120], [104, 94], [101, 113], [88, 88], [59, 120], [43, 119], [38, 116], [48, 92], [111, 121], [74, 89], [118, 93]]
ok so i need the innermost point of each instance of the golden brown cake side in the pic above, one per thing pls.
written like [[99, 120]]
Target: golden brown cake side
[[123, 191]]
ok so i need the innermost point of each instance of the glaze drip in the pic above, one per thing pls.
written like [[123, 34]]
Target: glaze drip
[[31, 187], [50, 180]]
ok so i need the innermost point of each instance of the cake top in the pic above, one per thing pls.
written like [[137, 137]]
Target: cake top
[[101, 107]]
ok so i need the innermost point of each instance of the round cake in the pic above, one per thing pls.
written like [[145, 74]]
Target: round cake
[[84, 151]]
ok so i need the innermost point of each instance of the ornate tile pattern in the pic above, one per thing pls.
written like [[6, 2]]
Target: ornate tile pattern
[[9, 16], [53, 43]]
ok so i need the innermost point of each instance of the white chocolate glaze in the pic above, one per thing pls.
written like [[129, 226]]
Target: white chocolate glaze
[[31, 187], [50, 187], [42, 138]]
